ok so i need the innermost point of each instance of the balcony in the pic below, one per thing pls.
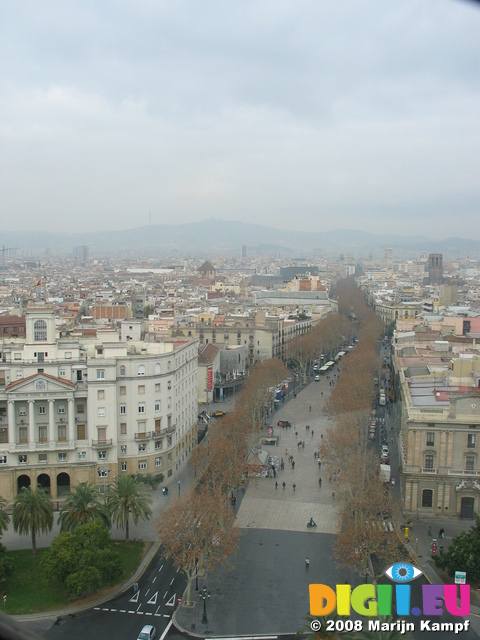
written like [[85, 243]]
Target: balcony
[[171, 428], [428, 470], [463, 472], [102, 443], [144, 435], [159, 434]]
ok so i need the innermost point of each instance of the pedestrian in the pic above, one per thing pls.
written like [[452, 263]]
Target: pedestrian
[[429, 532], [315, 455], [135, 587], [441, 533], [313, 433], [319, 463], [303, 444], [319, 482], [294, 486], [283, 485], [310, 408], [307, 562], [276, 485], [293, 464], [296, 434], [306, 427]]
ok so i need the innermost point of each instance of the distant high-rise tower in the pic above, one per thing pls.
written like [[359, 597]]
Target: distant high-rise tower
[[81, 253], [435, 268], [243, 251], [138, 304], [388, 257]]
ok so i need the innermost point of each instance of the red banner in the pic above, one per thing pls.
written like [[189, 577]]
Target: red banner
[[210, 378]]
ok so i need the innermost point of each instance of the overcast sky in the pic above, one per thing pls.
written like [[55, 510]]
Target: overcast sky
[[311, 114]]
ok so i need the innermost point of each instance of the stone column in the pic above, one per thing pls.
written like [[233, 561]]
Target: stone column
[[71, 420], [31, 424], [12, 427], [51, 423]]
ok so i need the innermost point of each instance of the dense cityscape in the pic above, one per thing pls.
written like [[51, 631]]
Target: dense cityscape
[[250, 391]]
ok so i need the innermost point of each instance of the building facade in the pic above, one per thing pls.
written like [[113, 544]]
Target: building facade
[[89, 409]]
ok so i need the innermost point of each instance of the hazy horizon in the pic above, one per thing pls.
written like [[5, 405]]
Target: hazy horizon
[[298, 116]]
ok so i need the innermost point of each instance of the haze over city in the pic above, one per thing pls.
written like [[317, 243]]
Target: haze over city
[[294, 115]]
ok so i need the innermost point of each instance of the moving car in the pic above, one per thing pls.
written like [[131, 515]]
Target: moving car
[[147, 633], [219, 414]]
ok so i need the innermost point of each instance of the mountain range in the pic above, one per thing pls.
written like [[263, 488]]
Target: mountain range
[[220, 237]]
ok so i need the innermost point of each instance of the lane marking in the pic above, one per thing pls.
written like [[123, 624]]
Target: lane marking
[[167, 629], [160, 568], [135, 597], [153, 599], [171, 602], [154, 579]]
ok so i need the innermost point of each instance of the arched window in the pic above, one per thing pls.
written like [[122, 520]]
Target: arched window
[[141, 370], [39, 331], [122, 371], [157, 369], [427, 497]]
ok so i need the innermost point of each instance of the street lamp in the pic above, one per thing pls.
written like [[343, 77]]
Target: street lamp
[[196, 574], [205, 595], [179, 486]]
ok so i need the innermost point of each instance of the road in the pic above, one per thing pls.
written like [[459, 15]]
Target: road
[[125, 615]]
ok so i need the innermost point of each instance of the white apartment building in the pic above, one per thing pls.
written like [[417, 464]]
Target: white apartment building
[[92, 408]]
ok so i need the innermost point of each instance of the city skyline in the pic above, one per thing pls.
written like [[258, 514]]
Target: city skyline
[[294, 116]]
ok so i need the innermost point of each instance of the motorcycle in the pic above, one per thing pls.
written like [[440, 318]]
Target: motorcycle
[[311, 525]]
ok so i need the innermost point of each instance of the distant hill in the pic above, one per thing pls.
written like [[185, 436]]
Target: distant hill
[[221, 237]]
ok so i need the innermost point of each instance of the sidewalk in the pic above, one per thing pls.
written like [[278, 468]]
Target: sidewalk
[[267, 592]]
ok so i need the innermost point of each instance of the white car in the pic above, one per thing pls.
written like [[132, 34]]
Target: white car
[[147, 633], [317, 378]]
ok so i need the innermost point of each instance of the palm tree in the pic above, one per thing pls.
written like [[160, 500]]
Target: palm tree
[[32, 513], [4, 517], [81, 507], [128, 497]]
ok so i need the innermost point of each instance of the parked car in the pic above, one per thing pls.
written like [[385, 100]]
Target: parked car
[[219, 414]]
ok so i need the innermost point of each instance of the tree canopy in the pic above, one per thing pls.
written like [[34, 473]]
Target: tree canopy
[[464, 553], [83, 505], [84, 560], [128, 498], [32, 513]]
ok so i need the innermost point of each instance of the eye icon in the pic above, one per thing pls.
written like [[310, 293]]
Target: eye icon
[[402, 572]]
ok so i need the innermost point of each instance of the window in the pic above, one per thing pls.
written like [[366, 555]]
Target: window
[[100, 394], [142, 465], [39, 331], [62, 373], [169, 457], [102, 455], [123, 409], [80, 408], [68, 355], [122, 371], [100, 374], [141, 370], [123, 391], [101, 412], [22, 435], [123, 428], [471, 441], [141, 407], [81, 432], [61, 408], [427, 498], [19, 374], [123, 448], [158, 462], [430, 439], [142, 447], [22, 459], [157, 386], [42, 434], [42, 458], [157, 369], [469, 463], [22, 411], [158, 444], [169, 403], [157, 405], [62, 433], [169, 385], [141, 389], [82, 455], [3, 459], [123, 466], [158, 425], [3, 434], [42, 410], [429, 461], [102, 473], [62, 457]]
